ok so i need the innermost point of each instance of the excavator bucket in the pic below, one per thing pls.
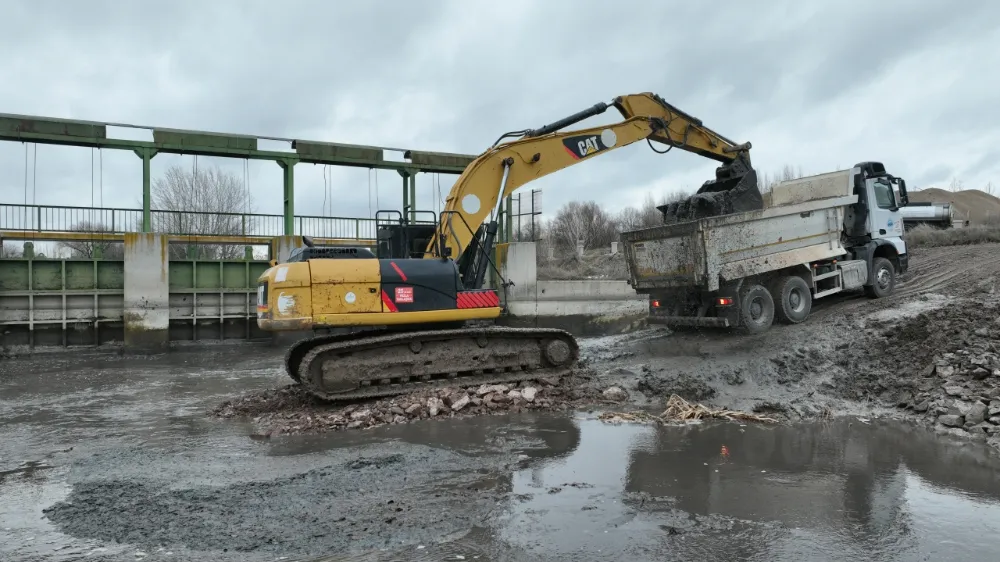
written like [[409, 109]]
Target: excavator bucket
[[734, 190]]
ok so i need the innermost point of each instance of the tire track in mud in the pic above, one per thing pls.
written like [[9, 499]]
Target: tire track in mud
[[955, 263], [930, 270]]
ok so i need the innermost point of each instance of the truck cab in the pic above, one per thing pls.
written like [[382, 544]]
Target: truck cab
[[875, 223]]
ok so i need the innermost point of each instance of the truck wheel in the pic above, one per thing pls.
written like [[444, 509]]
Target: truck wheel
[[883, 279], [794, 300], [756, 309]]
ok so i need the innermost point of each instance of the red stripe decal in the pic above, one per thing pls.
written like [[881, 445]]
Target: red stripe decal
[[571, 153], [399, 271], [388, 302]]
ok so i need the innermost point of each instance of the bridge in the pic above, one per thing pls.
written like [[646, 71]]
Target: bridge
[[146, 296]]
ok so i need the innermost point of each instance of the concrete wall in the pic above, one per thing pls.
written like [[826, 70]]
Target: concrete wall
[[143, 302], [584, 307]]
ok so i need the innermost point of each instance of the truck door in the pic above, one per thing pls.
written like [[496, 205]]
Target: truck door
[[885, 220]]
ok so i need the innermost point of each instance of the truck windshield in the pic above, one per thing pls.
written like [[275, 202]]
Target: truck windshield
[[883, 194]]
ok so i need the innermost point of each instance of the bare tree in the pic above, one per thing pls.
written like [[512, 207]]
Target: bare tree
[[106, 249], [989, 189], [582, 221], [202, 201], [10, 250], [956, 185]]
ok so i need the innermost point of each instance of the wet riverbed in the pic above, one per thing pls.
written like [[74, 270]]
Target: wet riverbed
[[113, 459]]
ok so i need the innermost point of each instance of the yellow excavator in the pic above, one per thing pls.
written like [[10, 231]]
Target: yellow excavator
[[416, 311]]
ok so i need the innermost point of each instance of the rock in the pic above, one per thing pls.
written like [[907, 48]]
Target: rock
[[361, 414], [954, 390], [476, 400], [434, 405], [734, 378], [983, 332], [903, 398], [951, 420], [922, 407], [412, 409], [976, 414], [491, 388], [981, 428], [514, 395], [615, 393], [995, 420], [397, 411], [529, 393], [929, 370], [355, 424], [550, 381], [980, 373], [461, 402], [994, 409], [399, 419], [945, 371]]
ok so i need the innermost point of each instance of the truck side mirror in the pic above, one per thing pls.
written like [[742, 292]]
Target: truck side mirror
[[904, 199]]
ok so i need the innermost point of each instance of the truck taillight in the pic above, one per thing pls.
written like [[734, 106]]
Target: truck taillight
[[724, 301], [655, 303]]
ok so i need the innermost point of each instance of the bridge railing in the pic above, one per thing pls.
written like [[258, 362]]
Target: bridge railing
[[56, 218]]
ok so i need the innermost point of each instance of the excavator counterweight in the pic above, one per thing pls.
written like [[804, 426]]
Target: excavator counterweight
[[416, 312]]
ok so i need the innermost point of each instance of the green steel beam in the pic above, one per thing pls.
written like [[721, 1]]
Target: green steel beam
[[46, 130], [288, 165], [146, 154]]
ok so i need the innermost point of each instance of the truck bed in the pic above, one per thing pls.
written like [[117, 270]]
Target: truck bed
[[700, 254]]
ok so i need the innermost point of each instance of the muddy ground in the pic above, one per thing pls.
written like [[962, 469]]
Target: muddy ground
[[173, 458], [928, 352]]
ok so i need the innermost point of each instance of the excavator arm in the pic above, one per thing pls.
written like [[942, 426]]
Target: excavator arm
[[539, 152]]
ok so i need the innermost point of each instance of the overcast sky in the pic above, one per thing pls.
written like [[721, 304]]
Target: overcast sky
[[819, 85]]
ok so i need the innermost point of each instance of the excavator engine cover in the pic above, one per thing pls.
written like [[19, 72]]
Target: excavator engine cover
[[734, 190]]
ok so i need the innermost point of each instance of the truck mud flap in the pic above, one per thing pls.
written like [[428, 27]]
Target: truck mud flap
[[702, 321]]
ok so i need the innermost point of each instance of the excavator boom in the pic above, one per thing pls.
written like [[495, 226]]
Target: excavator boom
[[506, 167]]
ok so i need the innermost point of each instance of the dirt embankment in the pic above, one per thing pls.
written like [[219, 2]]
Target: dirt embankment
[[929, 352]]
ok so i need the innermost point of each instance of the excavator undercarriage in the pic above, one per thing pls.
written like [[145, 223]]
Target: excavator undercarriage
[[383, 363]]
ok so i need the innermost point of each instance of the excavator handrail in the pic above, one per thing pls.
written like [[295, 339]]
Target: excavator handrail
[[507, 166]]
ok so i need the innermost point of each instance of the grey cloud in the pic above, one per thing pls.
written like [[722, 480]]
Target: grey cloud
[[452, 76]]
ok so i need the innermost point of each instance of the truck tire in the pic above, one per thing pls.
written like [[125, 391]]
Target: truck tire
[[793, 299], [756, 309], [883, 279]]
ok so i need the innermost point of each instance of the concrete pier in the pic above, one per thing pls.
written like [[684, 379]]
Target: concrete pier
[[146, 314]]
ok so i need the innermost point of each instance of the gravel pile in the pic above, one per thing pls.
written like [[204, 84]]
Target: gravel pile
[[942, 365]]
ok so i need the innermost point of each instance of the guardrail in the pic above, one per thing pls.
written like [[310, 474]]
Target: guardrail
[[55, 218]]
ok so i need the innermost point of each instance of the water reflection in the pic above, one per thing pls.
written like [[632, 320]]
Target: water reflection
[[831, 491]]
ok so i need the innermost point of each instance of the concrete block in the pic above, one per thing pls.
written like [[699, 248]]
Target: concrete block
[[521, 267], [614, 248], [146, 293]]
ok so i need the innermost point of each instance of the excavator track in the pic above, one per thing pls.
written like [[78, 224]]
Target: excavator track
[[382, 363]]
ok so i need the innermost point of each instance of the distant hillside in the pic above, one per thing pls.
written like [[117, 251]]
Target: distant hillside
[[973, 205]]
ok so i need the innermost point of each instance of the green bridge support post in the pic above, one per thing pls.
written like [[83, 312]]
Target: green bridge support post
[[288, 165], [146, 154]]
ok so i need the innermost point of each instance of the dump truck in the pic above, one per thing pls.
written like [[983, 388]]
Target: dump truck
[[819, 235]]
